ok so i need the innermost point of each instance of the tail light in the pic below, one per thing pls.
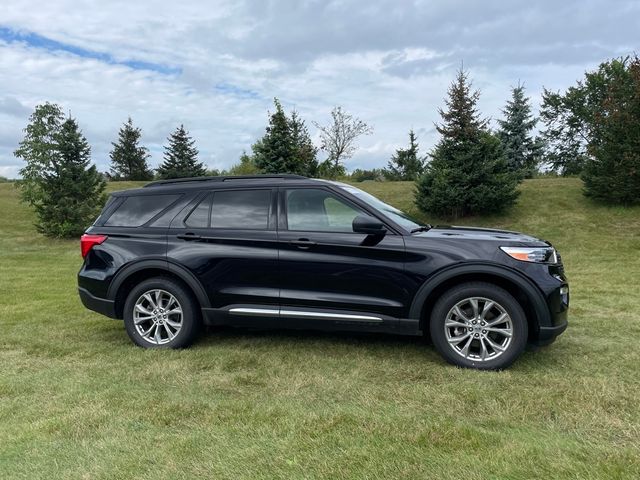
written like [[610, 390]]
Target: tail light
[[88, 241]]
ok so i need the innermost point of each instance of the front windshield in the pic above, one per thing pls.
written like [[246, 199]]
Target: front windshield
[[393, 213]]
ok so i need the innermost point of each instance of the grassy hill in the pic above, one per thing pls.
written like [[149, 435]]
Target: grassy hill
[[77, 400]]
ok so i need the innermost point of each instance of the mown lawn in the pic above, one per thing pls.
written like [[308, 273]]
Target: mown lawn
[[77, 400]]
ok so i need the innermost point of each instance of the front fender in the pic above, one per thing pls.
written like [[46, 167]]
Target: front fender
[[482, 269]]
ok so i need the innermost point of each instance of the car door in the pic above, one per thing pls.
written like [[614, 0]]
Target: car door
[[227, 238], [328, 272]]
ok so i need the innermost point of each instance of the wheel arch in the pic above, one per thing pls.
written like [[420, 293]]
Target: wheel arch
[[135, 273], [522, 289]]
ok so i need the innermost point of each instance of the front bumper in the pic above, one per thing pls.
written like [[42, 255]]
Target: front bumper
[[100, 305]]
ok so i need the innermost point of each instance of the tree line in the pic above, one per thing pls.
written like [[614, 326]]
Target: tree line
[[592, 130]]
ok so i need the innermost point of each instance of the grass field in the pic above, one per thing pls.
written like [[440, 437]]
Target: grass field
[[77, 400]]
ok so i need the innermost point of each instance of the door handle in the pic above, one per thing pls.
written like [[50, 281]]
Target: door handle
[[189, 236], [303, 243]]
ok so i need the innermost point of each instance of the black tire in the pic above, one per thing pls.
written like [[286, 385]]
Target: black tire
[[453, 352], [190, 314]]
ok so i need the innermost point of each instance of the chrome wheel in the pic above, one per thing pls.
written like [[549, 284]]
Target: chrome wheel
[[478, 329], [157, 316]]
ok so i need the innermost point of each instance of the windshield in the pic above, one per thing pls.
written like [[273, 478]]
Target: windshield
[[393, 213]]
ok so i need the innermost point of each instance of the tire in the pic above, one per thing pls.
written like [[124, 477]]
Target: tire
[[488, 336], [161, 313]]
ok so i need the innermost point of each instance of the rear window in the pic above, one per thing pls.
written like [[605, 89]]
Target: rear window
[[241, 209], [138, 210]]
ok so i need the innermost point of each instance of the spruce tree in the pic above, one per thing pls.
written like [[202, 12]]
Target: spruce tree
[[59, 181], [468, 173], [286, 146], [128, 157], [521, 150], [304, 151], [73, 190], [181, 157], [406, 164]]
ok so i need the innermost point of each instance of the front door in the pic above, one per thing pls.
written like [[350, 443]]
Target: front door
[[328, 272]]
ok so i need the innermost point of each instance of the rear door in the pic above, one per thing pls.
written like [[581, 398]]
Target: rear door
[[328, 272], [227, 238]]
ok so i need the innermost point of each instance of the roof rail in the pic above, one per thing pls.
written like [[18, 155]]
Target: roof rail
[[284, 176]]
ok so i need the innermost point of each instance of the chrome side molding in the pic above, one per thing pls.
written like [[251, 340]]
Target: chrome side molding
[[272, 312]]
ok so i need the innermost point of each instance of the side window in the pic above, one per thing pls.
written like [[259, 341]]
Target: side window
[[139, 209], [319, 211], [241, 209], [199, 216]]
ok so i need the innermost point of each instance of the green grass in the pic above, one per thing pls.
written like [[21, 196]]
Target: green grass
[[77, 400]]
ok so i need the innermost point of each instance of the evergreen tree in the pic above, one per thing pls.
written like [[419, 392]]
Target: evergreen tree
[[73, 190], [286, 146], [181, 157], [612, 169], [522, 151], [128, 158], [304, 150], [406, 164], [66, 191], [468, 173], [38, 149]]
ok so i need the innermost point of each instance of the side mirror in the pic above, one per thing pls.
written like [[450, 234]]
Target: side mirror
[[368, 225]]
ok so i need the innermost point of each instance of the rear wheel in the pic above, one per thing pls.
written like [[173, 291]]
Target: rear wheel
[[161, 313], [479, 325]]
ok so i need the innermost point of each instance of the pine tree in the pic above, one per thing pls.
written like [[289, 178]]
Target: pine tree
[[66, 191], [128, 158], [304, 151], [73, 190], [522, 151], [286, 146], [406, 164], [468, 173], [181, 157]]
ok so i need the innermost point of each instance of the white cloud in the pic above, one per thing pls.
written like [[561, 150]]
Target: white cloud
[[386, 62]]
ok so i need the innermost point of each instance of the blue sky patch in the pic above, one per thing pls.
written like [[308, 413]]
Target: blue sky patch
[[230, 89], [35, 40]]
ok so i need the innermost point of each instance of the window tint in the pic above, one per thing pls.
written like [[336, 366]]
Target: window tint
[[138, 210], [199, 216], [319, 211], [242, 209]]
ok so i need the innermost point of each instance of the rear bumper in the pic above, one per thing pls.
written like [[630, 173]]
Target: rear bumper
[[100, 305]]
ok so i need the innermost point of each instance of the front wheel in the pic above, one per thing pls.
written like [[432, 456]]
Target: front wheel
[[161, 313], [479, 325]]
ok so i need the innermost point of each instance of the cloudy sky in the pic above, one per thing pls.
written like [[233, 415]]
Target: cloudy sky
[[216, 65]]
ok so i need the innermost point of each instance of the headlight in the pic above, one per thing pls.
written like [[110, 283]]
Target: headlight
[[537, 255]]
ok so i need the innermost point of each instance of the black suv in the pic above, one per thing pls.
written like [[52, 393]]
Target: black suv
[[293, 252]]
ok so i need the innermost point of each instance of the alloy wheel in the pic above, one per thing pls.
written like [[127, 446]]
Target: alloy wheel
[[157, 316], [478, 329]]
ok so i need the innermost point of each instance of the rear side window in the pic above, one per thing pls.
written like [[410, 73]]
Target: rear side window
[[138, 210], [241, 209], [199, 216]]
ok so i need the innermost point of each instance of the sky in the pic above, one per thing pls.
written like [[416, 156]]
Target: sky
[[215, 66]]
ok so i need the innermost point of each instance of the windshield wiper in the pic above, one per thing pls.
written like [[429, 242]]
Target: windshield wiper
[[422, 228]]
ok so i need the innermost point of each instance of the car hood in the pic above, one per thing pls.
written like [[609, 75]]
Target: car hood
[[504, 237]]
